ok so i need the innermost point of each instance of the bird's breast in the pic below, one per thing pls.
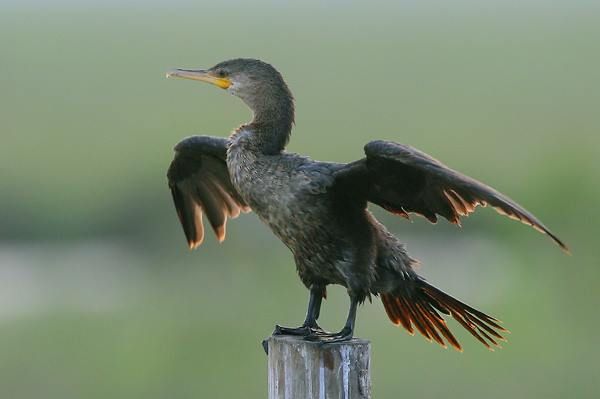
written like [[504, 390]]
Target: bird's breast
[[281, 193], [263, 183]]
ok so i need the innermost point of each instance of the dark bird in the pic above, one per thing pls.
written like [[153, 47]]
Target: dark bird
[[319, 209]]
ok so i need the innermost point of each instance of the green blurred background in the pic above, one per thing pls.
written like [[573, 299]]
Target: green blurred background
[[99, 297]]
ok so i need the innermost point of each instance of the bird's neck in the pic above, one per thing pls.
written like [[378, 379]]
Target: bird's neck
[[271, 127]]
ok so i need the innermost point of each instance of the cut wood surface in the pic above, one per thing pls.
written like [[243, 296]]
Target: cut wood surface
[[299, 369]]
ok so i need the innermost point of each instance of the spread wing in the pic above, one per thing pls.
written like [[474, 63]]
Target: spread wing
[[403, 179], [200, 183]]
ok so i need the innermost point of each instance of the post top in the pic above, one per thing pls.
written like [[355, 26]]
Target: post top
[[290, 339], [300, 369]]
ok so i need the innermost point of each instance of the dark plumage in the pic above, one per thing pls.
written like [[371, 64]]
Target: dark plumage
[[319, 209]]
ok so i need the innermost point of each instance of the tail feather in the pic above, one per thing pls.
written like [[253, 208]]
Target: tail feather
[[440, 324], [417, 319], [395, 312], [420, 307], [431, 329]]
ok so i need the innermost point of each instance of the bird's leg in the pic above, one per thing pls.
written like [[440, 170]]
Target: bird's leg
[[310, 325], [345, 334]]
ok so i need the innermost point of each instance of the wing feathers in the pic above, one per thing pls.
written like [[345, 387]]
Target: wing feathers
[[200, 183], [403, 179], [190, 216], [211, 204]]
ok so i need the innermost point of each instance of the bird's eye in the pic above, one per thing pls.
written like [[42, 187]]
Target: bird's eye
[[221, 73]]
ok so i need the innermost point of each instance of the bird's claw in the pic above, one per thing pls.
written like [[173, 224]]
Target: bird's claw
[[302, 331], [329, 338]]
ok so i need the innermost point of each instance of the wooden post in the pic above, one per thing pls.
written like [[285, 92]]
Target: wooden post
[[300, 369]]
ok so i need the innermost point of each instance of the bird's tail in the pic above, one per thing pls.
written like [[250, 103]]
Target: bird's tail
[[419, 304]]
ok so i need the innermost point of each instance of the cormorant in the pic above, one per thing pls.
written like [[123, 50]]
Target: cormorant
[[319, 209]]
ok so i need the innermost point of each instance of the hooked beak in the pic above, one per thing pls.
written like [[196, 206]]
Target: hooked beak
[[201, 75]]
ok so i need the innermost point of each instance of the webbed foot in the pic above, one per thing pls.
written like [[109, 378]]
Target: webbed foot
[[328, 338], [302, 331]]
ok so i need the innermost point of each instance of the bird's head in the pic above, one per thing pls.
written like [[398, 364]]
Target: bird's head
[[256, 82]]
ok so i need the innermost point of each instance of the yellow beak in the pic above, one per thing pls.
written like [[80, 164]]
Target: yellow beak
[[201, 75]]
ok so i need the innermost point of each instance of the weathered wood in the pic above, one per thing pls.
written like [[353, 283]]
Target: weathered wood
[[306, 370]]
